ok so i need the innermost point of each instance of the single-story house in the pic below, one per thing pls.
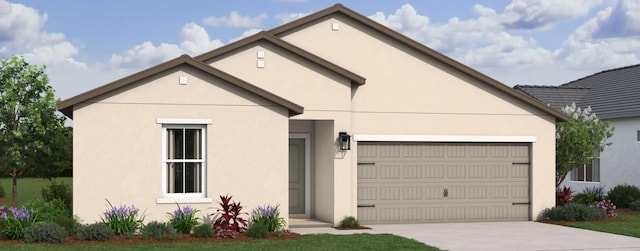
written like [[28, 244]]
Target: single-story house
[[613, 97], [330, 115]]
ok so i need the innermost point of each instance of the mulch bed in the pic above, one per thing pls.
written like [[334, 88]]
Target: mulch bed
[[343, 228], [607, 219], [183, 238]]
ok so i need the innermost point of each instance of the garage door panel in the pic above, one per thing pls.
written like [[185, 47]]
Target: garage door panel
[[442, 182]]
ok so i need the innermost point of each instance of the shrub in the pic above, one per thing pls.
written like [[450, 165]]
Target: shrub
[[590, 195], [123, 220], [257, 230], [183, 219], [95, 232], [203, 230], [349, 222], [564, 196], [54, 211], [635, 205], [228, 217], [59, 191], [622, 195], [607, 207], [159, 231], [14, 221], [45, 232], [573, 212], [269, 217]]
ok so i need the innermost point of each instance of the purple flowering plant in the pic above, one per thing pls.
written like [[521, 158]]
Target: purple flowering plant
[[269, 216], [14, 220], [183, 219], [123, 220]]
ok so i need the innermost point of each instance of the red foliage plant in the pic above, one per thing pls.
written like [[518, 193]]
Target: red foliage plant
[[228, 217], [564, 196]]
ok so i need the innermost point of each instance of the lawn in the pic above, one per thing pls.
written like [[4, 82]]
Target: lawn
[[28, 188], [629, 226], [307, 242]]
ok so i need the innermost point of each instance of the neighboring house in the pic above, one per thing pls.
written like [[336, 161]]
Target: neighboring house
[[613, 96], [267, 120]]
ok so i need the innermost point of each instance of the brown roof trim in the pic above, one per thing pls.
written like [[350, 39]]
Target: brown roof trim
[[339, 8], [355, 78], [66, 106]]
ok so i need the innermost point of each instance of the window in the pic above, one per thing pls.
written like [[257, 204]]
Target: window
[[184, 160], [588, 172]]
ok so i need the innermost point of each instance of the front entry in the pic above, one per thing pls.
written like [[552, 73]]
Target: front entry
[[298, 176]]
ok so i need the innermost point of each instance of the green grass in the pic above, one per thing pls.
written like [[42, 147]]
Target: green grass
[[629, 227], [307, 242], [28, 188]]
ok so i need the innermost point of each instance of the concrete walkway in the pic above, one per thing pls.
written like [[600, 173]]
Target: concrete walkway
[[497, 236]]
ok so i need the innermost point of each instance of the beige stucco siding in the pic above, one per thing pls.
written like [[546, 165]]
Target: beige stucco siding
[[118, 148], [409, 93]]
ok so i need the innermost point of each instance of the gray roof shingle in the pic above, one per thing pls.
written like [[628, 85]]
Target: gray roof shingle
[[611, 94]]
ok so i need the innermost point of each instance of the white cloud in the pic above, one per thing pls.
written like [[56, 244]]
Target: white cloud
[[288, 17], [532, 14], [196, 40], [245, 34], [236, 20]]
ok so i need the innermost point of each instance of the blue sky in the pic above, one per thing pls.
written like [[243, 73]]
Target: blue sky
[[85, 44]]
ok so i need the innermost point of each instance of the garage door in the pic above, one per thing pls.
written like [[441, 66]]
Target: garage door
[[442, 182]]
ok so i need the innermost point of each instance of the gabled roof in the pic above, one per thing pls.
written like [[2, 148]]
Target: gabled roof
[[419, 48], [555, 96], [611, 94], [263, 36], [66, 106]]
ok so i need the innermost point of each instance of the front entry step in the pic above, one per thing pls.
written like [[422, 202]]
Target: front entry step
[[306, 223]]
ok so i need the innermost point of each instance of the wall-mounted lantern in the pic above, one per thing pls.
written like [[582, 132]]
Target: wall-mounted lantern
[[344, 140]]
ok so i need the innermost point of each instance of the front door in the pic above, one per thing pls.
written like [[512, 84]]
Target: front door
[[297, 176]]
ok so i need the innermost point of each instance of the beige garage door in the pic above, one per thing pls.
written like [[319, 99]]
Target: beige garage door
[[442, 182]]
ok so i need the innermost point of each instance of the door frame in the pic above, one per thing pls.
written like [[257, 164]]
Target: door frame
[[307, 173]]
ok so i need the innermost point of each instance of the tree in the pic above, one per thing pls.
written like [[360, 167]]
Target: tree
[[578, 139], [29, 122]]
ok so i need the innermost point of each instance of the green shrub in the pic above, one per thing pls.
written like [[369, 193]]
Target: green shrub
[[623, 195], [590, 195], [59, 191], [257, 230], [95, 232], [349, 222], [635, 205], [45, 232], [54, 211], [158, 231], [202, 231], [574, 212], [269, 216]]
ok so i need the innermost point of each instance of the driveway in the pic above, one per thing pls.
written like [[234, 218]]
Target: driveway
[[498, 236]]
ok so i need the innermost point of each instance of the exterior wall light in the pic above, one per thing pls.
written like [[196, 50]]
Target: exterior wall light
[[344, 140]]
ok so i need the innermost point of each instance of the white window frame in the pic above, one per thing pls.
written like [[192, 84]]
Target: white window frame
[[184, 197], [594, 159]]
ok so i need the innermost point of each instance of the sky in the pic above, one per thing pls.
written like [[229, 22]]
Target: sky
[[86, 44]]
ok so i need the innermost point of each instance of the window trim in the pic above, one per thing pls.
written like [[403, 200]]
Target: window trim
[[574, 174], [166, 197]]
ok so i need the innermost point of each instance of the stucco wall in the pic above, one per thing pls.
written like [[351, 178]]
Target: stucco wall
[[117, 145], [409, 93], [619, 162]]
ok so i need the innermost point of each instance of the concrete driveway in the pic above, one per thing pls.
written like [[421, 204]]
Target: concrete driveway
[[498, 236]]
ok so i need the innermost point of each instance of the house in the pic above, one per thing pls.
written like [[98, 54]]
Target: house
[[613, 97], [330, 115]]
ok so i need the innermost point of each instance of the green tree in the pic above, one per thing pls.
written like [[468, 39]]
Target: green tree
[[578, 139], [29, 122]]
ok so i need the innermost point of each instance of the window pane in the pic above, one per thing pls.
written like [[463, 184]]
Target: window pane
[[175, 143], [588, 172], [175, 176], [192, 144], [193, 177], [579, 173]]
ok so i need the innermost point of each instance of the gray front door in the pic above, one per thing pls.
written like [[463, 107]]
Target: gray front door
[[297, 176]]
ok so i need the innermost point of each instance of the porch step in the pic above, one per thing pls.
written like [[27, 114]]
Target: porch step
[[306, 223]]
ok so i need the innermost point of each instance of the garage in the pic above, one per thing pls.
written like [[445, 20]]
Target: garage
[[443, 182]]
